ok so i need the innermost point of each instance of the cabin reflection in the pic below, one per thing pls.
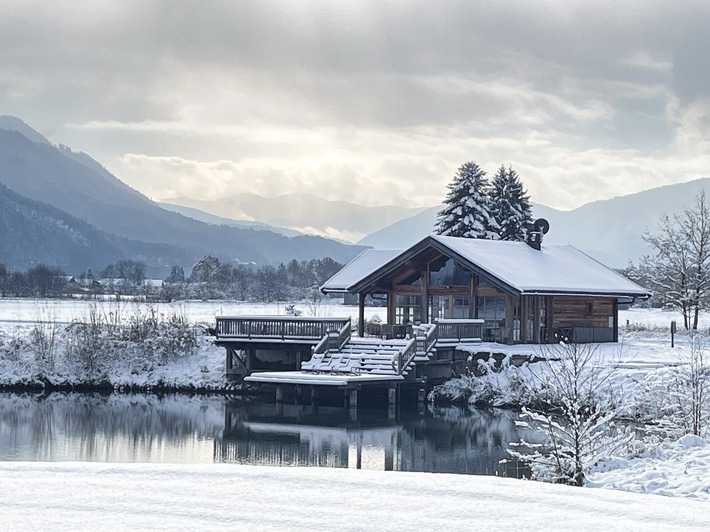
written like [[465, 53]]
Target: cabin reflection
[[440, 440]]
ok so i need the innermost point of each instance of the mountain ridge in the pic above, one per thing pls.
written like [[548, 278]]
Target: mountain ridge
[[78, 185], [337, 219], [609, 230]]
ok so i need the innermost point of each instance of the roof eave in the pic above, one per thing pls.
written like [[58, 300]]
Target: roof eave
[[585, 293]]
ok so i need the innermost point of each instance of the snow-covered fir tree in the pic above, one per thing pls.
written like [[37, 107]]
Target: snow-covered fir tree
[[511, 204], [467, 210]]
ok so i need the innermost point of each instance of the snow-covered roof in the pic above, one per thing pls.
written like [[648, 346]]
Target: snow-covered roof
[[558, 269], [552, 269], [360, 267]]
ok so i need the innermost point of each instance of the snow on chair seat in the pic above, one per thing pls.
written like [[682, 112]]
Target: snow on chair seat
[[353, 363]]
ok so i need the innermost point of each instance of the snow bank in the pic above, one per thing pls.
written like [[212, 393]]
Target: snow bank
[[680, 469], [91, 496]]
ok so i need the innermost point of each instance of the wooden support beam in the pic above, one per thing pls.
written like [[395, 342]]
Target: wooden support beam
[[392, 395], [425, 295], [361, 315]]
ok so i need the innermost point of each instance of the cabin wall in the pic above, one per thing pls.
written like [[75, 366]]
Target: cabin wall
[[581, 311], [590, 318]]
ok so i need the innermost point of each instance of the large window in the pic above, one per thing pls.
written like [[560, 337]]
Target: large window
[[461, 308], [438, 307], [456, 307], [450, 274], [492, 311], [407, 309]]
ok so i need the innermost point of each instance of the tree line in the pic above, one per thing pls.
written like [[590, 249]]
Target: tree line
[[209, 278]]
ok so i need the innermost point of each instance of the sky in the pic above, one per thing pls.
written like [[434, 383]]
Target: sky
[[374, 102]]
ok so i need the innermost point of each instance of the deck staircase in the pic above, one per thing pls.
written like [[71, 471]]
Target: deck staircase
[[339, 353]]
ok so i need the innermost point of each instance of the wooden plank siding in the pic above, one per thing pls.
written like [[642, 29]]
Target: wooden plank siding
[[581, 311], [586, 319]]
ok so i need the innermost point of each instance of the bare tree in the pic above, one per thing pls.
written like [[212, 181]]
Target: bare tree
[[577, 421], [689, 389], [680, 268]]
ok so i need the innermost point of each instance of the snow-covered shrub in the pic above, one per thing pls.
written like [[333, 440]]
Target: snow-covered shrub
[[14, 348], [688, 395], [579, 420], [171, 338], [86, 339], [142, 340], [44, 337], [506, 386]]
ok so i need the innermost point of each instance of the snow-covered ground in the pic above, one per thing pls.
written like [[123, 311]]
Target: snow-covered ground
[[93, 496], [27, 311], [128, 367]]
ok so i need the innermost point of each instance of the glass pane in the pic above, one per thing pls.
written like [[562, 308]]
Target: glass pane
[[450, 274]]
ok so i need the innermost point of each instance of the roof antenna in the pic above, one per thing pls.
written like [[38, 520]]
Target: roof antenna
[[535, 230]]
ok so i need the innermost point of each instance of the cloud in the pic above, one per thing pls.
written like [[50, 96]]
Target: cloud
[[363, 100]]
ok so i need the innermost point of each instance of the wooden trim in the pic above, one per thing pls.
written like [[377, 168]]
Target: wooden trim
[[474, 294], [361, 315], [549, 311], [425, 295], [448, 291], [536, 320], [509, 319]]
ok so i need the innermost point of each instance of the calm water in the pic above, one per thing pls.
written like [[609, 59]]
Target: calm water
[[144, 428]]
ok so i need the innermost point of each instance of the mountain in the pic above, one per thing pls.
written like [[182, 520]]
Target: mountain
[[12, 123], [35, 233], [305, 213], [405, 232], [608, 230], [75, 183], [202, 216]]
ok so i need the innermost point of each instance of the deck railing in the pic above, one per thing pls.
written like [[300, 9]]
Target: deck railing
[[459, 330], [405, 356], [333, 340], [278, 327]]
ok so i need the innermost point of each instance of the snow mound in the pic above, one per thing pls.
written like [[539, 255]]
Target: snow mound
[[691, 440]]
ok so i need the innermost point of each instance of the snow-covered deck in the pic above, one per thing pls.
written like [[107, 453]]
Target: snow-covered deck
[[319, 379]]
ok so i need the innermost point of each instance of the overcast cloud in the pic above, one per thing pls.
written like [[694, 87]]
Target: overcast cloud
[[372, 102]]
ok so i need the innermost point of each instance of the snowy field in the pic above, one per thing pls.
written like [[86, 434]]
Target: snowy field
[[92, 496], [27, 311]]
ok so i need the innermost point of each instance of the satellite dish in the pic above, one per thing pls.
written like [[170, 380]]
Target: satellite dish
[[542, 225]]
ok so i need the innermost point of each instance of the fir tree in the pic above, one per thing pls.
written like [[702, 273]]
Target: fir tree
[[511, 204], [467, 210]]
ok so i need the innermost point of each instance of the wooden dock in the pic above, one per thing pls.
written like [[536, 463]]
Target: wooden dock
[[293, 351]]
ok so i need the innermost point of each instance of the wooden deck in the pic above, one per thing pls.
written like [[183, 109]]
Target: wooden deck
[[278, 329], [329, 356]]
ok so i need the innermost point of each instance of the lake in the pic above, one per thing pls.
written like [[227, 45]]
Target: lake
[[201, 429]]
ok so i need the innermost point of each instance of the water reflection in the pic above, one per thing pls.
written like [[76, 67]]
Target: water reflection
[[144, 428], [109, 428], [443, 440]]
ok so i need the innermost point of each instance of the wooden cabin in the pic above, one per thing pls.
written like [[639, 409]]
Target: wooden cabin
[[525, 293]]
